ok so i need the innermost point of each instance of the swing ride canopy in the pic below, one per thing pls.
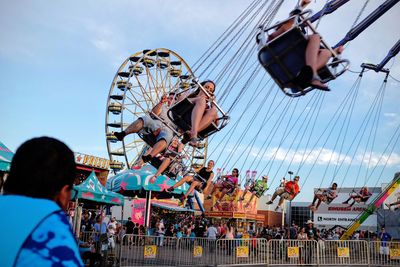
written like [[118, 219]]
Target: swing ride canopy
[[91, 189], [136, 181]]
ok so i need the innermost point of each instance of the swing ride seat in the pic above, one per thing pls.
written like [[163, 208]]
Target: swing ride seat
[[149, 138], [328, 200], [181, 115], [284, 59], [172, 171]]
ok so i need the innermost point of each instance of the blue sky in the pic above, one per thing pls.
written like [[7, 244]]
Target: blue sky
[[57, 61]]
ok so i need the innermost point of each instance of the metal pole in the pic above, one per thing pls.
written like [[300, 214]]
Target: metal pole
[[148, 207]]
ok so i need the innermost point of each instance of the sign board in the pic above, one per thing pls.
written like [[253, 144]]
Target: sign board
[[150, 252], [394, 253], [92, 161], [242, 252], [293, 252], [392, 198], [341, 213], [197, 251], [343, 252]]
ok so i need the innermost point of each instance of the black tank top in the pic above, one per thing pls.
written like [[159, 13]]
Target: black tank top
[[204, 173]]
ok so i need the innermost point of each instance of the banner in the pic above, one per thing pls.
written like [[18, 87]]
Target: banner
[[138, 211]]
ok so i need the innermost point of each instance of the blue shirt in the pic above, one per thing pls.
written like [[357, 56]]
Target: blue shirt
[[384, 237], [50, 244]]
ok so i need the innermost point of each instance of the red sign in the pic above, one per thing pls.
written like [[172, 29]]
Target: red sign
[[138, 211]]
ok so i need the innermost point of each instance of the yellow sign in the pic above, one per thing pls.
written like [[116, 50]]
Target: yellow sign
[[343, 252], [394, 253], [242, 252], [293, 252], [198, 251], [150, 252]]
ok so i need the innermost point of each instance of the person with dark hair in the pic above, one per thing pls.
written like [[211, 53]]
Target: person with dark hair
[[150, 125], [327, 195], [228, 185], [362, 196], [200, 180], [203, 113], [130, 226], [172, 155], [288, 191], [257, 189], [36, 195], [316, 56]]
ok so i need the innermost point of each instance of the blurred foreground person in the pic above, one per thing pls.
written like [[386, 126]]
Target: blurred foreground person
[[36, 194]]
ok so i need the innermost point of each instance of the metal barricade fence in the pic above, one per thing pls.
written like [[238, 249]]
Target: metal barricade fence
[[86, 236], [241, 252], [139, 250], [346, 252], [384, 253], [292, 252], [196, 251]]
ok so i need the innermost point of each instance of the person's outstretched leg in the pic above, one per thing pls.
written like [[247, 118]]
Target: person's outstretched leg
[[134, 127], [179, 183], [164, 165], [157, 148], [191, 188], [197, 114], [208, 117], [318, 203], [312, 52]]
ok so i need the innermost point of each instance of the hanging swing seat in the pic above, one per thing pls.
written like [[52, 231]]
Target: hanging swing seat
[[174, 169], [284, 58], [181, 115], [325, 197]]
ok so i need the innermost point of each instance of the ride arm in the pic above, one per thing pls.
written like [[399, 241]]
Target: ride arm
[[392, 53], [328, 9], [365, 23]]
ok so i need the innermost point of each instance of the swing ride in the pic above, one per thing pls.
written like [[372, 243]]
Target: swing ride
[[146, 76]]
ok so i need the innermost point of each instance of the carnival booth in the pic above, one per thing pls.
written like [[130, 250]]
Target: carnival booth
[[91, 190]]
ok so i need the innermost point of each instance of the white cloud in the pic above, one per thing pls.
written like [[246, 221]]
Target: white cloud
[[318, 156]]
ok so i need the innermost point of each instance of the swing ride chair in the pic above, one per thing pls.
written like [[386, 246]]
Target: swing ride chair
[[180, 114], [284, 56], [358, 198], [172, 170], [328, 200]]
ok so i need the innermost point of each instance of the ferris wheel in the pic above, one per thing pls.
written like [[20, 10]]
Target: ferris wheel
[[137, 87]]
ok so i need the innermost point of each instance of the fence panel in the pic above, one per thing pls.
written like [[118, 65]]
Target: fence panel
[[241, 252], [383, 253], [348, 252], [148, 251], [292, 252], [196, 251]]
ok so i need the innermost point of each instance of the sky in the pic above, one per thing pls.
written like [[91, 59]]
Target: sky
[[58, 59]]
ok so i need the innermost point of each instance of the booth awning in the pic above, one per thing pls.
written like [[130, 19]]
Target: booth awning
[[5, 158], [91, 189]]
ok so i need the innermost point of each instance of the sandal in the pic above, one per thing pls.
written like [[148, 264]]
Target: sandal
[[318, 84], [186, 137], [194, 141]]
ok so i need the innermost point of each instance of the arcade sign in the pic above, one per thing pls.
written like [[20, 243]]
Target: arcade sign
[[92, 161]]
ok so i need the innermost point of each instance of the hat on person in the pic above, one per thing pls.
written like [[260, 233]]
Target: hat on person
[[309, 221]]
